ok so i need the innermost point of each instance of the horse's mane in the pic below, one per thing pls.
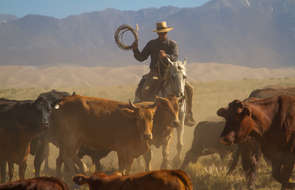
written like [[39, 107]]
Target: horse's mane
[[181, 66]]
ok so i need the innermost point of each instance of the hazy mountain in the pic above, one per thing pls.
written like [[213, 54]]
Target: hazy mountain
[[4, 18], [243, 32]]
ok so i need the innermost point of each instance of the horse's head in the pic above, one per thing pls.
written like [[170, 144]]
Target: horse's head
[[177, 76]]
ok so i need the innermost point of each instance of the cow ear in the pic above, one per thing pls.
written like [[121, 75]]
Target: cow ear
[[128, 112], [222, 112], [246, 111], [39, 100]]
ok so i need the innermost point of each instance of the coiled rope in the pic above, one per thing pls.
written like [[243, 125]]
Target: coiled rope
[[119, 35]]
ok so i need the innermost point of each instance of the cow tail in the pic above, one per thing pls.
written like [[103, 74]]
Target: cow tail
[[184, 178]]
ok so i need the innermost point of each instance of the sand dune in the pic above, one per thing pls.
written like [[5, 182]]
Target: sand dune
[[77, 76]]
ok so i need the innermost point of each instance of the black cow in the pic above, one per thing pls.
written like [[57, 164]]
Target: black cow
[[20, 122]]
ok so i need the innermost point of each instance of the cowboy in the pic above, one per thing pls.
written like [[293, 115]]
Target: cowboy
[[160, 49]]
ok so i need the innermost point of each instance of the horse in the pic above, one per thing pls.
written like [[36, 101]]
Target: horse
[[170, 82], [174, 84]]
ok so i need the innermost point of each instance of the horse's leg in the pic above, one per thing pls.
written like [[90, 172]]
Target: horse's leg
[[179, 146], [165, 154]]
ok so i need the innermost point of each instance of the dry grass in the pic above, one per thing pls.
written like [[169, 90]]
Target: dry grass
[[210, 172]]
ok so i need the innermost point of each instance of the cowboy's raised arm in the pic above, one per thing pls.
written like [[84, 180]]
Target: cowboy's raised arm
[[141, 56], [173, 55]]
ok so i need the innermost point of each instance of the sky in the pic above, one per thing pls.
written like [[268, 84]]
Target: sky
[[64, 8]]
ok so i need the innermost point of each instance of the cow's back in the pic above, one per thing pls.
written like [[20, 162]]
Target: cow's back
[[269, 92], [159, 179], [97, 121], [39, 183], [206, 136]]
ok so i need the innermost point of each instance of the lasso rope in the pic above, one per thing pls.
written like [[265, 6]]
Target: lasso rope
[[119, 34]]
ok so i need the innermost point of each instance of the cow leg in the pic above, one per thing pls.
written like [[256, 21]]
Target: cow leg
[[96, 161], [69, 166], [10, 170], [147, 160], [79, 163], [286, 172], [249, 163], [22, 169], [37, 163], [97, 156], [37, 166], [125, 162], [282, 172], [129, 162], [122, 162], [235, 160], [191, 156], [58, 164], [3, 171], [42, 154], [46, 156]]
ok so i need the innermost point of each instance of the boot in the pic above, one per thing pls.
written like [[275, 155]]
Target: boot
[[138, 92], [189, 119]]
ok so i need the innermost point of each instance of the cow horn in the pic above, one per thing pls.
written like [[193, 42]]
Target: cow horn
[[236, 103], [131, 105], [160, 99], [222, 112]]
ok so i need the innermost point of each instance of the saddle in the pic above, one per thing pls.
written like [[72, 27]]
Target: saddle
[[153, 82], [151, 87]]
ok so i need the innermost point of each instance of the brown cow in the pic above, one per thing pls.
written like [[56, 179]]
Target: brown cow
[[165, 121], [206, 142], [38, 183], [103, 125], [20, 121], [269, 92], [161, 179], [270, 121], [250, 151]]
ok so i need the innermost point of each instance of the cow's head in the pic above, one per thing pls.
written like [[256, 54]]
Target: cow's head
[[143, 115], [42, 110], [54, 96], [240, 123], [166, 119]]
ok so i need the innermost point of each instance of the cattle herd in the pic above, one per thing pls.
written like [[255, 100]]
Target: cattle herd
[[261, 125]]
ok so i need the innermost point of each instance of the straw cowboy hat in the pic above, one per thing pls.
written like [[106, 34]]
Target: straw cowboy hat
[[162, 27]]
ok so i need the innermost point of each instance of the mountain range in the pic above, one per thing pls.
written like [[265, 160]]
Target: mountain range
[[255, 33]]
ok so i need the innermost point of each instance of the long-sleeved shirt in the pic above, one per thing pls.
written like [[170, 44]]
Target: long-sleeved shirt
[[153, 48]]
